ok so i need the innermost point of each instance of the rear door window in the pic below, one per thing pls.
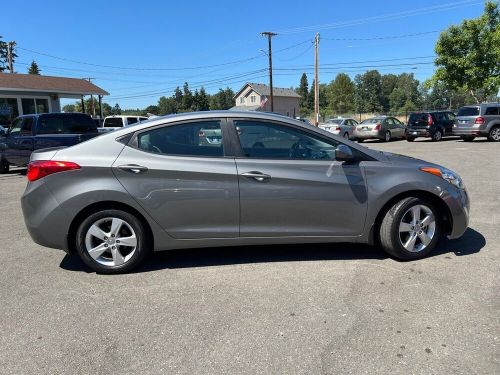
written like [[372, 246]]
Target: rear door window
[[491, 111], [198, 138], [450, 116], [131, 120], [468, 111], [66, 124]]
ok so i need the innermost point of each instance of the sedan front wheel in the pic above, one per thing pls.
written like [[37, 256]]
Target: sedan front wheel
[[410, 229]]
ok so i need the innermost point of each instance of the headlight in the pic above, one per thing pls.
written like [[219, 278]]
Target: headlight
[[446, 174]]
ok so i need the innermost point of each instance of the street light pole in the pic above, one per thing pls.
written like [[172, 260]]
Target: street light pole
[[269, 35]]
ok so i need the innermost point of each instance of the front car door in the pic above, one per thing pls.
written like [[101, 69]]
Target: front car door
[[290, 184], [20, 141], [180, 175]]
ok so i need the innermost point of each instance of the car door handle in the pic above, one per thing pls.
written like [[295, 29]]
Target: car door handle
[[257, 176], [133, 168]]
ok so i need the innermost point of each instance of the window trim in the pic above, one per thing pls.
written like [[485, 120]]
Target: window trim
[[239, 154], [133, 142]]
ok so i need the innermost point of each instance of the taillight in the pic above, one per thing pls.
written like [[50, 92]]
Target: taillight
[[430, 121], [337, 128], [41, 168], [479, 120], [377, 127]]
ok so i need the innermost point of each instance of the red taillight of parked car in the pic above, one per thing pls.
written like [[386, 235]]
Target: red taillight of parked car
[[337, 128], [377, 127], [480, 120], [41, 168]]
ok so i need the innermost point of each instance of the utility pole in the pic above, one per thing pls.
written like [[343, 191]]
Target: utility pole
[[269, 35], [10, 58], [316, 80], [91, 96]]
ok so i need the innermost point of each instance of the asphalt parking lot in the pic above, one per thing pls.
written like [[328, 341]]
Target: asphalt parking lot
[[304, 309]]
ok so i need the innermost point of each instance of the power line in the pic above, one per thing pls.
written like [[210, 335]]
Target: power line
[[384, 37], [383, 17]]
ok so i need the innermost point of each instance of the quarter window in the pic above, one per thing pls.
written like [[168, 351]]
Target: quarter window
[[269, 140], [131, 120], [201, 138], [491, 111]]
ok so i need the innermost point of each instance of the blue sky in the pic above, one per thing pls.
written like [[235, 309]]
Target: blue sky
[[139, 51]]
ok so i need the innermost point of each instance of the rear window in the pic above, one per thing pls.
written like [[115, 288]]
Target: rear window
[[372, 121], [113, 122], [468, 111], [66, 124]]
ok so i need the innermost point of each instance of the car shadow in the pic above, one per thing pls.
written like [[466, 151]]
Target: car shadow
[[470, 243]]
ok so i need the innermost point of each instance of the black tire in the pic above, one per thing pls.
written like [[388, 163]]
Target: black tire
[[389, 234], [387, 137], [4, 166], [467, 138], [410, 139], [494, 134], [360, 140], [437, 136], [141, 250]]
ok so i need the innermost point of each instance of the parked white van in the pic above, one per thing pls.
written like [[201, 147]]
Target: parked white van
[[116, 122]]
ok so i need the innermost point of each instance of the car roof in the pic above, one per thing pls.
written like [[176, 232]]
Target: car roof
[[55, 113]]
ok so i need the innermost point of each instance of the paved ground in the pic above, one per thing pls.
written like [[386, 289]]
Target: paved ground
[[263, 310]]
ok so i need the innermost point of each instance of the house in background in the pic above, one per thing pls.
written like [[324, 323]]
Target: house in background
[[22, 94], [257, 97]]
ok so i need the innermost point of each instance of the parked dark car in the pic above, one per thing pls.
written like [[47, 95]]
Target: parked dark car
[[33, 132], [434, 125], [481, 120]]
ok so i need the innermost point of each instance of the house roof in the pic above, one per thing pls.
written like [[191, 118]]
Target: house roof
[[262, 89], [57, 85], [245, 108]]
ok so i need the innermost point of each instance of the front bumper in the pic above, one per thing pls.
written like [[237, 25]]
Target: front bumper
[[458, 203]]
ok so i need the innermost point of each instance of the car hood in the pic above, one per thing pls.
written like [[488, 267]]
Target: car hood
[[408, 160]]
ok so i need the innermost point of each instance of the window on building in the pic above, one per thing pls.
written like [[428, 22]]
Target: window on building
[[8, 111], [242, 100], [32, 106], [253, 99]]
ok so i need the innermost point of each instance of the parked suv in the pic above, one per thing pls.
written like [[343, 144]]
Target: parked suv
[[434, 125], [481, 120]]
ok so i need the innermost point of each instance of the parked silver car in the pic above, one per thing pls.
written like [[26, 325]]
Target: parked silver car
[[343, 127], [478, 121], [383, 128], [164, 185]]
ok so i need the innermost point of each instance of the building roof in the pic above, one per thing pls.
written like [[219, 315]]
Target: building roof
[[262, 89], [57, 85], [245, 108]]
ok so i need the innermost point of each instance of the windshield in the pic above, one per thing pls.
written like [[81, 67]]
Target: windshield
[[468, 111], [372, 121], [113, 122], [334, 121]]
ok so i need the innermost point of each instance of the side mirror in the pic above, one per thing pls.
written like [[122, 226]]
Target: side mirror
[[343, 153]]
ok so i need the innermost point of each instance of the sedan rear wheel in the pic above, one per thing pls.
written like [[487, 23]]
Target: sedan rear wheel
[[387, 136], [111, 241], [4, 166], [410, 229]]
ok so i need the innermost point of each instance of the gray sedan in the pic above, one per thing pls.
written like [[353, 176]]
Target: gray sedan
[[343, 127], [227, 178], [383, 128]]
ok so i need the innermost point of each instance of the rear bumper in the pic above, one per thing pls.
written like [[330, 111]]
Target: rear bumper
[[413, 133], [470, 132], [368, 135]]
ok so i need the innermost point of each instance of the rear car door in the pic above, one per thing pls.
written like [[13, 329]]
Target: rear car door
[[180, 175], [450, 120], [290, 184]]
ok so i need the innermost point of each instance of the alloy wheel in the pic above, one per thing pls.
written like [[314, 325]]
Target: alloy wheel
[[111, 241], [495, 134], [417, 228], [387, 137]]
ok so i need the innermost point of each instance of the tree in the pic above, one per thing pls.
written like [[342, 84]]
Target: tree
[[69, 108], [468, 55], [222, 100], [388, 83], [203, 100], [116, 110], [34, 69], [303, 91], [151, 109], [310, 98], [178, 96], [187, 98], [4, 55], [167, 106], [405, 95], [368, 92], [341, 94]]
